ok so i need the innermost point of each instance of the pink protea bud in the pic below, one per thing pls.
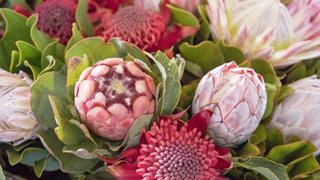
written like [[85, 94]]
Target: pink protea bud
[[111, 94], [298, 114], [135, 25], [56, 18], [237, 97]]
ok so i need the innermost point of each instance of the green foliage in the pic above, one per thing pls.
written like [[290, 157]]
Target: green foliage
[[183, 17], [82, 18]]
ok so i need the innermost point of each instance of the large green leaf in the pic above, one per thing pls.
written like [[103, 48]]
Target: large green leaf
[[205, 26], [51, 83], [69, 163], [76, 36], [183, 17], [269, 169], [206, 54], [82, 17], [187, 94], [16, 29], [95, 48]]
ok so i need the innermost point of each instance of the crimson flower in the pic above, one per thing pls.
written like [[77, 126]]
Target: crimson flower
[[172, 149]]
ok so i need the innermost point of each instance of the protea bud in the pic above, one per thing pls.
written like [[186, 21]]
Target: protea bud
[[113, 93], [17, 122], [297, 115], [237, 97]]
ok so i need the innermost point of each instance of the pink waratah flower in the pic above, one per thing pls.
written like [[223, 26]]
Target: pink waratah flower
[[141, 24], [298, 114], [56, 18], [268, 29], [237, 98], [113, 93], [172, 149]]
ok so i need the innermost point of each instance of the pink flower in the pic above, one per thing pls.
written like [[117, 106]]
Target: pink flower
[[237, 98], [113, 93], [56, 18], [172, 149]]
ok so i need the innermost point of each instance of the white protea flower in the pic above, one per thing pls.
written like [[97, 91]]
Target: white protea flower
[[267, 28], [153, 5], [17, 122], [190, 5], [237, 98], [298, 114]]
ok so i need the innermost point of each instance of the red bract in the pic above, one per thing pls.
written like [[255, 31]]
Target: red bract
[[56, 18], [173, 149], [21, 10]]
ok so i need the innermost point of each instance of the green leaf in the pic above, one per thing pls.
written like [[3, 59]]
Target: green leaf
[[284, 92], [232, 53], [206, 54], [39, 38], [76, 36], [69, 163], [298, 71], [82, 17], [286, 153], [271, 95], [94, 48], [1, 173], [187, 94], [51, 83], [170, 97], [263, 166], [264, 68], [252, 148], [274, 138], [305, 167], [124, 49], [183, 17], [55, 50], [16, 29], [205, 25], [76, 66]]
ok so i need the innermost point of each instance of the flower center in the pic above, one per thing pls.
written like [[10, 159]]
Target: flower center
[[117, 86]]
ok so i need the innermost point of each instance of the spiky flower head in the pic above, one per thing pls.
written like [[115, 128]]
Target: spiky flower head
[[111, 94], [172, 149], [17, 122], [135, 25], [237, 97], [56, 18]]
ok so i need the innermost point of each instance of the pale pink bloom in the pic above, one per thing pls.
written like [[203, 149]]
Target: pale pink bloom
[[237, 97], [111, 94], [17, 122], [190, 5], [153, 5], [267, 29], [298, 114]]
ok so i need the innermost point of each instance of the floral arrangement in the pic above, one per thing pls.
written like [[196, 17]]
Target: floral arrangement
[[159, 89]]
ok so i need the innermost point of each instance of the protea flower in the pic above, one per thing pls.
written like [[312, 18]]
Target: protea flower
[[56, 18], [113, 93], [267, 29], [17, 122], [237, 98], [297, 115], [172, 149]]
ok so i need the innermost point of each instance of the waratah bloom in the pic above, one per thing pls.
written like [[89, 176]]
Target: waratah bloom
[[144, 25], [267, 29], [17, 122], [237, 97], [113, 93], [172, 149], [135, 25], [298, 114], [56, 18]]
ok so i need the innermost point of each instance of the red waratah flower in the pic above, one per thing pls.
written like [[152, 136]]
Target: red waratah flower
[[136, 25], [172, 149], [56, 18], [148, 29]]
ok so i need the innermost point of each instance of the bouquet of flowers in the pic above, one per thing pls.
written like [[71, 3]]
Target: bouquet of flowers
[[160, 89]]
